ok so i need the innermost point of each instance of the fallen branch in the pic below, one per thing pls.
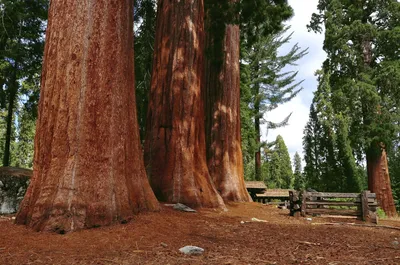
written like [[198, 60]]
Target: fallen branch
[[309, 243]]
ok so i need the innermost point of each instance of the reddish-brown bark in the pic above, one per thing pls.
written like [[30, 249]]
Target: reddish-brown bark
[[88, 166], [222, 96], [175, 144], [379, 181]]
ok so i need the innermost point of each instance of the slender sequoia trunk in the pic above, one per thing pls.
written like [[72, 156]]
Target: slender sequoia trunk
[[175, 152], [12, 93], [222, 96], [88, 166]]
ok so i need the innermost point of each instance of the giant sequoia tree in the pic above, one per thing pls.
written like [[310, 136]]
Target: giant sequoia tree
[[222, 97], [88, 168], [175, 152], [362, 44]]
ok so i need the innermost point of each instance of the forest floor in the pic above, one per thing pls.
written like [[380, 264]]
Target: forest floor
[[228, 238]]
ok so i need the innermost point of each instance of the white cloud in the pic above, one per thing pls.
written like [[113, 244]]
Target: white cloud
[[293, 133]]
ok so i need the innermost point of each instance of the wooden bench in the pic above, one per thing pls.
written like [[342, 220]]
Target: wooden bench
[[362, 205], [254, 188], [274, 196]]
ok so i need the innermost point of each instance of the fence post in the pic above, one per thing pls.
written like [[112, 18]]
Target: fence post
[[364, 206], [303, 203]]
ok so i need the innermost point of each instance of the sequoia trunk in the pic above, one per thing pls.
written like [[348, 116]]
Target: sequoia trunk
[[379, 181], [88, 166], [222, 96], [175, 144]]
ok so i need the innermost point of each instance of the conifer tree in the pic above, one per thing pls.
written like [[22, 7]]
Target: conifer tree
[[145, 22], [299, 181], [268, 84], [330, 163], [280, 166], [21, 46], [361, 41]]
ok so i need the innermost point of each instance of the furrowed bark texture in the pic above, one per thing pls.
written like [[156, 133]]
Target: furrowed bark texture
[[379, 181], [175, 144], [88, 166], [223, 138]]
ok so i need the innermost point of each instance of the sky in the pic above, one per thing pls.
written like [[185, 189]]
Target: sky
[[300, 105]]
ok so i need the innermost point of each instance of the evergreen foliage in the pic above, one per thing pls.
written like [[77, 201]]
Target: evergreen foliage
[[330, 164], [145, 23], [299, 181], [21, 50], [265, 85], [362, 44], [359, 113], [394, 168], [280, 166]]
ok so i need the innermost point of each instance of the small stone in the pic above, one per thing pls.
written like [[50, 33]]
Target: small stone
[[191, 250], [309, 219], [183, 208], [242, 222], [163, 245]]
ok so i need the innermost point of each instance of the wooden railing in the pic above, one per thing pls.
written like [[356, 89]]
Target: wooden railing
[[363, 205]]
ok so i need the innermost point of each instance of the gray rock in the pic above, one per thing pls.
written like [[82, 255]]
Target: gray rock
[[395, 243], [191, 250], [13, 185], [183, 208]]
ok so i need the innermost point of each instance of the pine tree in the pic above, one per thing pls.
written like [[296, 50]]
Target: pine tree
[[320, 138], [330, 163], [349, 174], [280, 166], [312, 150], [269, 85], [299, 181], [274, 179]]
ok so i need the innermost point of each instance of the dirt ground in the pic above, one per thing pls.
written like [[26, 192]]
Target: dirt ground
[[227, 237]]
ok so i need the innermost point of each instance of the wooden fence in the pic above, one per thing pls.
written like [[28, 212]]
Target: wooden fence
[[362, 205]]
